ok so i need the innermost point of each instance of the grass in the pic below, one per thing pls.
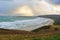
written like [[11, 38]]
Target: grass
[[20, 37], [55, 37], [43, 34]]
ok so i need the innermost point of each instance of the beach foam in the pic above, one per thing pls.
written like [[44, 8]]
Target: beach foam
[[20, 24]]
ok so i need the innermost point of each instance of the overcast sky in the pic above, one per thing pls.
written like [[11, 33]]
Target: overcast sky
[[26, 7], [54, 1]]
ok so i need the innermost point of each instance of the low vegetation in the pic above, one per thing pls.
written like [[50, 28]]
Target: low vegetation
[[53, 33]]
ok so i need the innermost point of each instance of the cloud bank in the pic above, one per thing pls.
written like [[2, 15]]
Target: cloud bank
[[26, 8]]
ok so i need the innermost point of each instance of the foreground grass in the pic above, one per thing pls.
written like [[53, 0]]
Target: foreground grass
[[20, 37], [42, 35]]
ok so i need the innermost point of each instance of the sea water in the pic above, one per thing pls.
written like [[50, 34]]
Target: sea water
[[14, 18], [22, 22], [16, 22]]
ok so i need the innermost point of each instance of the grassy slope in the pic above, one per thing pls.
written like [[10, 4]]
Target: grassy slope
[[44, 34], [22, 37]]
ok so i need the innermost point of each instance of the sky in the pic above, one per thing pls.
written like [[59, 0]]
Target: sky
[[28, 7], [54, 1]]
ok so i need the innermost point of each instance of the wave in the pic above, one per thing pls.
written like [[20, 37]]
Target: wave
[[20, 24]]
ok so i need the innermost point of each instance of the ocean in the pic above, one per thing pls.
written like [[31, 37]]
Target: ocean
[[17, 22], [15, 18], [27, 23]]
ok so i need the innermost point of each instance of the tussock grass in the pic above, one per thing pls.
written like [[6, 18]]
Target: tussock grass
[[52, 33]]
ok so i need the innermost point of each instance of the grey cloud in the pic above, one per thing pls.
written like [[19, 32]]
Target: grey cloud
[[6, 7], [55, 2]]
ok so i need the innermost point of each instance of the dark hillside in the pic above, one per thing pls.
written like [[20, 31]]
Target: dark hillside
[[56, 18]]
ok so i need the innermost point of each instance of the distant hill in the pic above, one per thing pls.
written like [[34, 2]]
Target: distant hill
[[56, 18]]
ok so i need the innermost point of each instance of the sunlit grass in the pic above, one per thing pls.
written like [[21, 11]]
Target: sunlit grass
[[31, 36], [21, 37]]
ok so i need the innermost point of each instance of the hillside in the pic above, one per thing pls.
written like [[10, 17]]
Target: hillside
[[40, 31], [6, 31], [56, 18], [52, 33]]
